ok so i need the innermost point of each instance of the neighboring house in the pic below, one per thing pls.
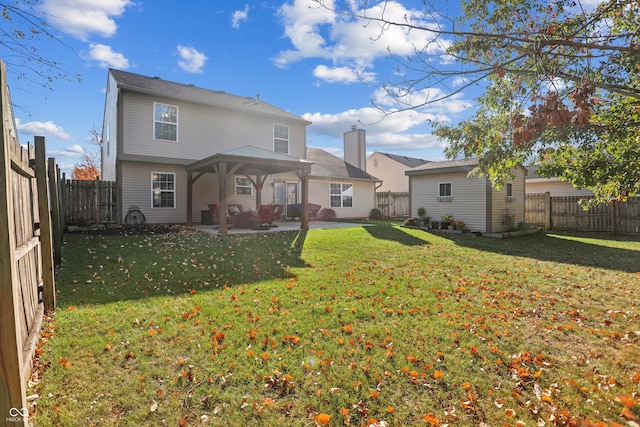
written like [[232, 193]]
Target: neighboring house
[[390, 168], [534, 184], [176, 148], [446, 188]]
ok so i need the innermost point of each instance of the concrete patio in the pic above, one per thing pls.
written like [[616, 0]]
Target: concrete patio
[[282, 226]]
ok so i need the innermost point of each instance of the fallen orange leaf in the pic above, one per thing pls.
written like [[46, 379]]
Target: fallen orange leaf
[[322, 419]]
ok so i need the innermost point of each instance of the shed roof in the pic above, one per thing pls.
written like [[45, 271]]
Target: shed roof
[[327, 165], [431, 168], [192, 93]]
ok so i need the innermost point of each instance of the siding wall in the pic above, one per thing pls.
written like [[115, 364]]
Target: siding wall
[[202, 131], [389, 171], [554, 187], [506, 215], [109, 132], [469, 202], [363, 197]]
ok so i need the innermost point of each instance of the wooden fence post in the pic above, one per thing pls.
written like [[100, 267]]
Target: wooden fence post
[[56, 215], [547, 211], [46, 233]]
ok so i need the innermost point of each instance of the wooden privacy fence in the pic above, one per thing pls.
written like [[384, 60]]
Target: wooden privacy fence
[[393, 204], [564, 213], [27, 285], [87, 202]]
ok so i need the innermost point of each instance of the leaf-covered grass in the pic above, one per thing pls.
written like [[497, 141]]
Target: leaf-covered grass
[[366, 325]]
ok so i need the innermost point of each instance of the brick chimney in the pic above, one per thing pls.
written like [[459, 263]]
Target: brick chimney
[[355, 148]]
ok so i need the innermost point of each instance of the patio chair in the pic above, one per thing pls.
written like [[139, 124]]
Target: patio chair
[[215, 213], [263, 217], [277, 213]]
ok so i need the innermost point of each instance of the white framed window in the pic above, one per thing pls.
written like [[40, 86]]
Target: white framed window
[[165, 122], [341, 195], [163, 190], [509, 188], [445, 192], [243, 186], [281, 138]]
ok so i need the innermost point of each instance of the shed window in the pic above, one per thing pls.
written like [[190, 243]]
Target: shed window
[[163, 190], [341, 195], [165, 122], [510, 198], [445, 192]]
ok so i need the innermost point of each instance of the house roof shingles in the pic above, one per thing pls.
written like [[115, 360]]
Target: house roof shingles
[[192, 93], [327, 165], [410, 162]]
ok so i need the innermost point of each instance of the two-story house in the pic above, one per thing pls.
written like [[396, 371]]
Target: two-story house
[[176, 148], [390, 168]]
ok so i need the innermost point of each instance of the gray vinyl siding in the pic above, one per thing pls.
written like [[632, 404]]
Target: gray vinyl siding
[[202, 130], [469, 202], [136, 191], [109, 132], [515, 209]]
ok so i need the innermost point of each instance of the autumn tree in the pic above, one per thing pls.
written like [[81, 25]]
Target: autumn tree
[[86, 170], [560, 82]]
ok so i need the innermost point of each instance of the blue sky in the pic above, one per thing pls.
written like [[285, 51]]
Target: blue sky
[[324, 67]]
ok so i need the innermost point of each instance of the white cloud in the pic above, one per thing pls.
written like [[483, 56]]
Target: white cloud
[[106, 57], [74, 151], [191, 60], [343, 74], [239, 16], [316, 32], [42, 129], [86, 17]]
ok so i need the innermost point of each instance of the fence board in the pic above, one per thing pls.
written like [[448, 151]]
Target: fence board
[[393, 204], [564, 213], [89, 202], [23, 227]]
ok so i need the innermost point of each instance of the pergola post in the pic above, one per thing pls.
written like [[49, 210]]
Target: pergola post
[[304, 217], [222, 191], [189, 198]]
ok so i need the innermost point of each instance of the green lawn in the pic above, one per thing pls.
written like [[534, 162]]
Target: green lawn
[[367, 325]]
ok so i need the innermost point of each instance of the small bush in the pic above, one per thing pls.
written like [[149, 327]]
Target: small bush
[[326, 214], [375, 214]]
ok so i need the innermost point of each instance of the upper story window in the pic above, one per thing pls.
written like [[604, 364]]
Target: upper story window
[[341, 195], [281, 139], [165, 122], [445, 193], [243, 186], [163, 190]]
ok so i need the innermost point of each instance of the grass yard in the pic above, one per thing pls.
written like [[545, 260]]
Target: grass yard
[[379, 325]]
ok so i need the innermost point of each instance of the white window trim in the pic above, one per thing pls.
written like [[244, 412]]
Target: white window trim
[[167, 191], [282, 139], [341, 184], [160, 121], [445, 198], [236, 186]]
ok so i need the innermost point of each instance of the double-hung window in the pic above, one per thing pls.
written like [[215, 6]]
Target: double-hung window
[[243, 186], [445, 192], [341, 195], [165, 122], [163, 190], [281, 139]]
